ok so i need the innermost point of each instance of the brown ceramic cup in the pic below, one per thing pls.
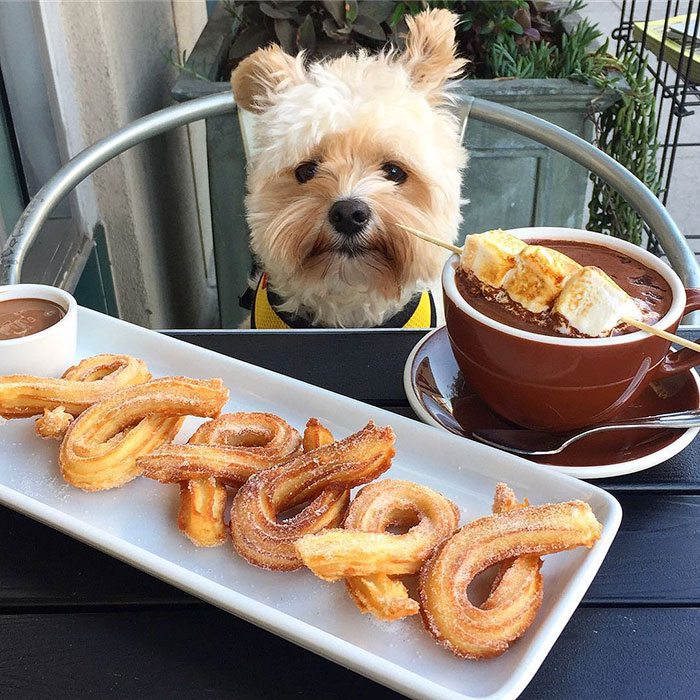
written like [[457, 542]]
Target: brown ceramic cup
[[560, 383]]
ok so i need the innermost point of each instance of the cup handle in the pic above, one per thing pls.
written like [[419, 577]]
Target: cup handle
[[681, 360]]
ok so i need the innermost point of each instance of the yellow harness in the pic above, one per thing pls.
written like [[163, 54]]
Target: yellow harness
[[418, 313]]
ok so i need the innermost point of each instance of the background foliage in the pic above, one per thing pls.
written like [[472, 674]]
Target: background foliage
[[627, 132], [501, 38]]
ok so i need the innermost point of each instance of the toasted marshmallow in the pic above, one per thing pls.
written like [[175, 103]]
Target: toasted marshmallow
[[491, 255], [538, 277], [593, 303]]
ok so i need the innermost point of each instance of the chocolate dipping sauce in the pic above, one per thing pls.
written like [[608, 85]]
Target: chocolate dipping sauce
[[639, 281], [21, 317]]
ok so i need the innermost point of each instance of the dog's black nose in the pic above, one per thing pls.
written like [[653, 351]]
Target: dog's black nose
[[349, 216]]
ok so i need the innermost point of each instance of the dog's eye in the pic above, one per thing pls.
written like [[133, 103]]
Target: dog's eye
[[306, 171], [394, 173]]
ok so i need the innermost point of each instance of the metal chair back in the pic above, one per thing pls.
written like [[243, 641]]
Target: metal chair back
[[85, 163]]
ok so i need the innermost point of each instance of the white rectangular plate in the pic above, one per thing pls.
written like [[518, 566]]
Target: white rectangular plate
[[137, 524]]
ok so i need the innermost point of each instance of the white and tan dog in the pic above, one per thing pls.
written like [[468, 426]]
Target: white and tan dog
[[346, 148]]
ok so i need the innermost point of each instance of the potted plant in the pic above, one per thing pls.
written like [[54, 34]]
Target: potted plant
[[541, 57]]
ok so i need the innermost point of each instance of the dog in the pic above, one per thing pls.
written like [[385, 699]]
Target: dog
[[347, 148]]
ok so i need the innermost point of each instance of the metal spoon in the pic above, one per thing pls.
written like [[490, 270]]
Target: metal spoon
[[534, 442]]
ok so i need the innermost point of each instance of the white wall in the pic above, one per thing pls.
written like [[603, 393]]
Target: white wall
[[109, 58]]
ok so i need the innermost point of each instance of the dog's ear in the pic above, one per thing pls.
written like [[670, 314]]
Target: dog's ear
[[257, 77], [430, 50]]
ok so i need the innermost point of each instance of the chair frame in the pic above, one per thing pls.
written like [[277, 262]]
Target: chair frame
[[653, 213]]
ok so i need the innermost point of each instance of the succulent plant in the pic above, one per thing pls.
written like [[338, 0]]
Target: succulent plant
[[332, 27], [327, 28], [518, 25]]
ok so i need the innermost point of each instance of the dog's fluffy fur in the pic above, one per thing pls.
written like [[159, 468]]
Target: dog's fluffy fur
[[351, 115]]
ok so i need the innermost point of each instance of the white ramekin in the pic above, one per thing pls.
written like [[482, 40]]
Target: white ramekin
[[47, 353]]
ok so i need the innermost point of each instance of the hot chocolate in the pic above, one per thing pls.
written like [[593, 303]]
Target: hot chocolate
[[648, 290], [554, 382], [21, 317]]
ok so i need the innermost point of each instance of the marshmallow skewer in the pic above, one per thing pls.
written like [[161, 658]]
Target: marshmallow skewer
[[431, 239], [662, 334], [624, 319]]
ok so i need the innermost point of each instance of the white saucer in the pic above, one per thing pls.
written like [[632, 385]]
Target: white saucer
[[433, 359]]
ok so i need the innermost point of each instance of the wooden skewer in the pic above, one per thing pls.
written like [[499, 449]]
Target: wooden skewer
[[662, 334], [625, 319], [431, 239]]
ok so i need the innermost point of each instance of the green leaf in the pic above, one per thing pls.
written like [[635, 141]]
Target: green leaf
[[378, 10], [252, 15], [397, 14], [277, 12], [465, 22], [306, 35], [366, 26], [415, 7], [286, 35], [350, 11], [336, 9], [488, 27], [510, 25], [249, 40]]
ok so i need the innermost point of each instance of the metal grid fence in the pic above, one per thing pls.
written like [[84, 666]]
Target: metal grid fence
[[676, 91]]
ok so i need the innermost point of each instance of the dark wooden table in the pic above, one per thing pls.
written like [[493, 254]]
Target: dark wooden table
[[76, 623]]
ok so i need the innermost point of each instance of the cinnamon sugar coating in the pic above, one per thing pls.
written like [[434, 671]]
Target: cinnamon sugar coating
[[316, 435], [321, 479], [80, 386], [201, 516], [481, 632], [366, 555], [230, 448], [53, 424], [102, 446], [223, 451]]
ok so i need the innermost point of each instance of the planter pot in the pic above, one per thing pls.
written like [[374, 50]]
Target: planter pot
[[514, 182], [511, 181], [226, 163]]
